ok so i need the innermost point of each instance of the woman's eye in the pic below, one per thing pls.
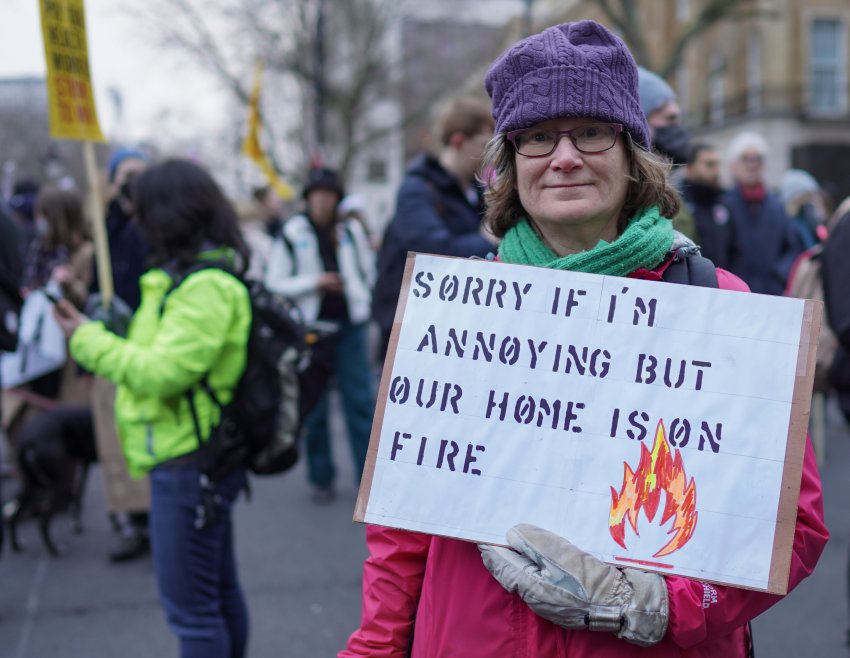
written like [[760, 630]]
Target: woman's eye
[[590, 132], [538, 138]]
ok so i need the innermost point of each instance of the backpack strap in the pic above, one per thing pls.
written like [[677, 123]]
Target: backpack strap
[[692, 270]]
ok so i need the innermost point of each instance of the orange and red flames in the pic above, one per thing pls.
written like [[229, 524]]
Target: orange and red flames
[[658, 471]]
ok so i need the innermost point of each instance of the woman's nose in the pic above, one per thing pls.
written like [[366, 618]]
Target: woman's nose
[[566, 155]]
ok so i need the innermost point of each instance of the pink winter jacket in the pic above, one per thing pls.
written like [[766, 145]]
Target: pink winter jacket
[[461, 611]]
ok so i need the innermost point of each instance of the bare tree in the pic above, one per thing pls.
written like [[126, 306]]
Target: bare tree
[[327, 63], [624, 15]]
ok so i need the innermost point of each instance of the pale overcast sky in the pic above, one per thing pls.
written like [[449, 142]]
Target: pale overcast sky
[[149, 80]]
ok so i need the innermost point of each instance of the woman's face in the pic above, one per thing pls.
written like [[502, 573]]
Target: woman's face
[[573, 195]]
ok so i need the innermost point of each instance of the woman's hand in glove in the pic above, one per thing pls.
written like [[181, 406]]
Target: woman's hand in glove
[[575, 590]]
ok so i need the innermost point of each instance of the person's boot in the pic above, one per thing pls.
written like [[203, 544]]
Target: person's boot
[[132, 544]]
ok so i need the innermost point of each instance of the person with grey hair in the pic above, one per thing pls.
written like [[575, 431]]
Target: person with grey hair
[[766, 244], [801, 195], [572, 186]]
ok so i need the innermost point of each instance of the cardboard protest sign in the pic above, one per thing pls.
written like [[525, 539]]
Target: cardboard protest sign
[[651, 424], [73, 114]]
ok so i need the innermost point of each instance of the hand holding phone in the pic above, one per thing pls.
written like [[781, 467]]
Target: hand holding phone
[[51, 297]]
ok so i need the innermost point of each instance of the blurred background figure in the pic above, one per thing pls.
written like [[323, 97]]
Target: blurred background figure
[[664, 115], [766, 244], [10, 300], [439, 205], [22, 204], [271, 208], [129, 253], [667, 135], [702, 193], [353, 206], [128, 250], [326, 266], [804, 204], [62, 249]]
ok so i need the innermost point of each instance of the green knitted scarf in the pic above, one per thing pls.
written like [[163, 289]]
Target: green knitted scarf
[[646, 240]]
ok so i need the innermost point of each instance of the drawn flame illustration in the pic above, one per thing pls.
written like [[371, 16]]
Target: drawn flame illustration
[[658, 471]]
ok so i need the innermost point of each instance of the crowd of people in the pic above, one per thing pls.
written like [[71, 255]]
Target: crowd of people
[[495, 184]]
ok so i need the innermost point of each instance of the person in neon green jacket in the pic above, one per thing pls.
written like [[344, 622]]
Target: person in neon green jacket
[[176, 338]]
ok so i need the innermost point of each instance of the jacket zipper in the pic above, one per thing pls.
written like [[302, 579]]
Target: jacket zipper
[[149, 439]]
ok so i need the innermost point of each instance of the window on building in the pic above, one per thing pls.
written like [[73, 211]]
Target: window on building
[[716, 91], [376, 171], [683, 10], [827, 66], [754, 91]]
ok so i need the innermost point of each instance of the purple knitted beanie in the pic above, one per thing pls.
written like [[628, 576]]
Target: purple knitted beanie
[[571, 70]]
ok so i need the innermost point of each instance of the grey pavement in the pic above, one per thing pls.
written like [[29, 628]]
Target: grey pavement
[[301, 564]]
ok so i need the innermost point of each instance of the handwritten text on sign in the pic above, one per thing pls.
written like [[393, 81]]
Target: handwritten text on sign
[[646, 422], [72, 109]]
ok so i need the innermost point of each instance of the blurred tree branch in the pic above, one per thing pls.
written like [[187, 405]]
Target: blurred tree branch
[[623, 15]]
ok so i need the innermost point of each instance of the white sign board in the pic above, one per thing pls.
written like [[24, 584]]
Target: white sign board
[[41, 343], [648, 423]]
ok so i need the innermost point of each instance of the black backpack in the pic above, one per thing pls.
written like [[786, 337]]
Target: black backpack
[[259, 427]]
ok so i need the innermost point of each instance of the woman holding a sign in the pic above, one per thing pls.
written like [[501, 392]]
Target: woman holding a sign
[[572, 186]]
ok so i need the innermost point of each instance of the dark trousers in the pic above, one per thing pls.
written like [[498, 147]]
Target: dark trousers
[[196, 569], [350, 365]]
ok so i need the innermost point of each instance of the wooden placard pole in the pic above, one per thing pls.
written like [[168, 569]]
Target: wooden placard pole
[[98, 220]]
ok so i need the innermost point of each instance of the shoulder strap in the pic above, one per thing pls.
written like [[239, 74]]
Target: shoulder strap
[[693, 270]]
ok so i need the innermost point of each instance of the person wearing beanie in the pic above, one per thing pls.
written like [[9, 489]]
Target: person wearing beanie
[[326, 266], [664, 115], [766, 244], [438, 206], [668, 136], [801, 195], [568, 172]]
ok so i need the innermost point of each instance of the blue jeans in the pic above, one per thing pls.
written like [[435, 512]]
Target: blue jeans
[[196, 569], [350, 364]]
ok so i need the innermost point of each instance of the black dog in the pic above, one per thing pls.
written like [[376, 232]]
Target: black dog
[[55, 450]]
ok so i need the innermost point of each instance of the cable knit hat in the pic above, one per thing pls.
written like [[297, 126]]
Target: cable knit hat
[[570, 70]]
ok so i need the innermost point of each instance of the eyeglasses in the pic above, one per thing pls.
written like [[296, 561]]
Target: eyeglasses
[[590, 138]]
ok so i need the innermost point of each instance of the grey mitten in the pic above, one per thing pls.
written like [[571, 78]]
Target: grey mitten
[[575, 590]]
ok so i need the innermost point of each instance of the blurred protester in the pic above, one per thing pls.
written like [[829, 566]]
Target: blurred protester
[[667, 135], [353, 206], [664, 115], [129, 253], [835, 270], [439, 205], [801, 195], [10, 302], [702, 192], [62, 249], [326, 266], [270, 207], [836, 284], [22, 203], [128, 250], [199, 330], [574, 187], [765, 241], [261, 223]]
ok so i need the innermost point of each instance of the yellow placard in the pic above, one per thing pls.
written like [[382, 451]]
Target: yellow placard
[[73, 114]]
